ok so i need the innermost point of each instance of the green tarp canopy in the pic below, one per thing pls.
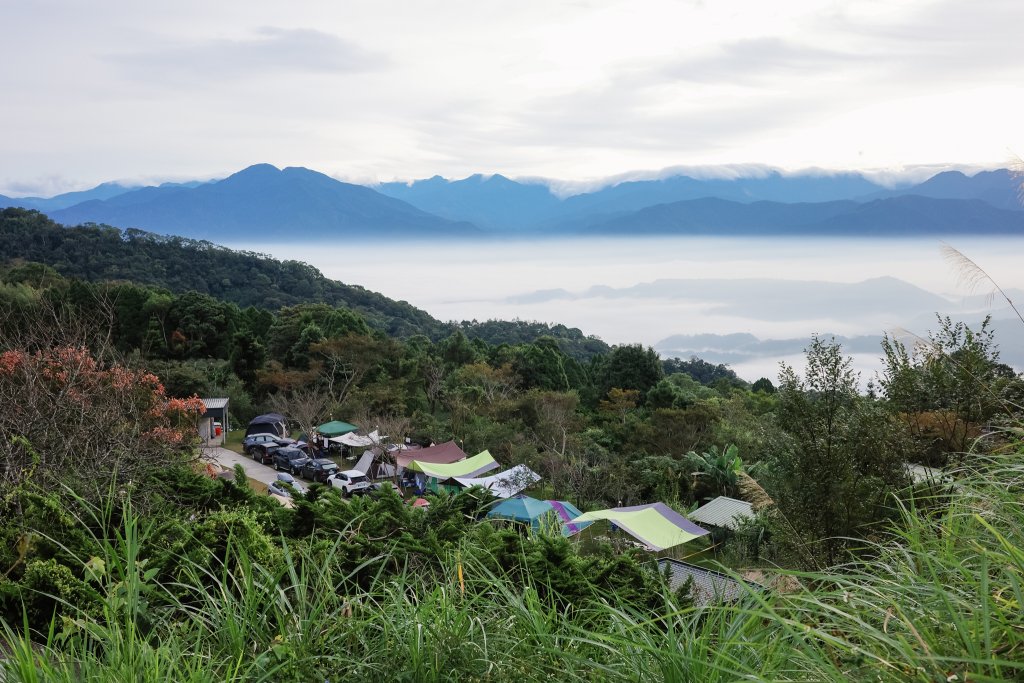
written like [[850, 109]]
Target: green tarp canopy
[[470, 467], [656, 525], [336, 428]]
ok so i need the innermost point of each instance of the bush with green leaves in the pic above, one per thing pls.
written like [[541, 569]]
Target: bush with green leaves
[[938, 600]]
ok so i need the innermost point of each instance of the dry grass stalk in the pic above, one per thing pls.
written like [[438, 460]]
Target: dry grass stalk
[[754, 493], [972, 276]]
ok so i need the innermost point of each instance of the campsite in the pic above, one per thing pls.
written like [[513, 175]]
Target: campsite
[[419, 473]]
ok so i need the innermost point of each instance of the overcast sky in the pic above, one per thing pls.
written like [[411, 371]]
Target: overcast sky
[[379, 90]]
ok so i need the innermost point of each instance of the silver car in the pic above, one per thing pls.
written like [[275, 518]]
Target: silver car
[[280, 487]]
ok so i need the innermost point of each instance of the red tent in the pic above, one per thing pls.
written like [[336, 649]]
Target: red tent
[[441, 454]]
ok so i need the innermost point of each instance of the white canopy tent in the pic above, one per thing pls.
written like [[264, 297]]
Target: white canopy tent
[[504, 484], [357, 441]]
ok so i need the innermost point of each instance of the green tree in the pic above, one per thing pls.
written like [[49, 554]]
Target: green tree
[[543, 365], [247, 356], [678, 391], [456, 350], [840, 458], [676, 430], [284, 337], [947, 388], [704, 372], [203, 324], [715, 472], [299, 355], [629, 366], [342, 363]]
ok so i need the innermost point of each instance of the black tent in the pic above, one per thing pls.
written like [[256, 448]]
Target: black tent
[[271, 423]]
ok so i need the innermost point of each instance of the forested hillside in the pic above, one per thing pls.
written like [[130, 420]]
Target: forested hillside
[[847, 566], [97, 253]]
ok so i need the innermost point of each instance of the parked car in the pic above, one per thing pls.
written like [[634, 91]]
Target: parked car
[[319, 469], [249, 442], [350, 482], [290, 459], [281, 486], [264, 452]]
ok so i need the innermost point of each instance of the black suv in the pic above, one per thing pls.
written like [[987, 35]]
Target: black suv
[[264, 452], [290, 459], [254, 440], [319, 469]]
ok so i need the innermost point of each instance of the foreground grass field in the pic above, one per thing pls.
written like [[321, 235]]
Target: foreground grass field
[[938, 600]]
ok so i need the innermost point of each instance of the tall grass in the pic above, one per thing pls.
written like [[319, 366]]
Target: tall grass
[[941, 599]]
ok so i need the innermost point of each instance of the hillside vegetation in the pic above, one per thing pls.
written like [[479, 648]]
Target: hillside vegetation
[[228, 599], [97, 253], [119, 561]]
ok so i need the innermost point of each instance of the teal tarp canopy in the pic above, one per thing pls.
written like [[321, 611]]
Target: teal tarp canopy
[[526, 510], [531, 511], [336, 428]]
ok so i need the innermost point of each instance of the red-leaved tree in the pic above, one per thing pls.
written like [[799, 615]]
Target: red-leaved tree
[[66, 418]]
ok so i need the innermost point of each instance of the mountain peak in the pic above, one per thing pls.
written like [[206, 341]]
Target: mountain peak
[[265, 202], [256, 170], [487, 179]]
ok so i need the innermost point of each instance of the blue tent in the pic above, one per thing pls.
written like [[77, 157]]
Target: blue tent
[[567, 512], [526, 510], [531, 511]]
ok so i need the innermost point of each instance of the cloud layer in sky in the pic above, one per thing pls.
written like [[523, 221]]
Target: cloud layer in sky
[[377, 90]]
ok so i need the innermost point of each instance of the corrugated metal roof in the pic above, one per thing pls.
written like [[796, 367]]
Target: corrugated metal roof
[[723, 512], [215, 403], [708, 585]]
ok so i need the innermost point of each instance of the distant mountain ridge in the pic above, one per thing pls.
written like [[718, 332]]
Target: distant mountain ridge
[[901, 216], [69, 199], [1000, 188], [497, 201], [265, 203], [737, 348], [492, 202], [63, 201], [501, 204]]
